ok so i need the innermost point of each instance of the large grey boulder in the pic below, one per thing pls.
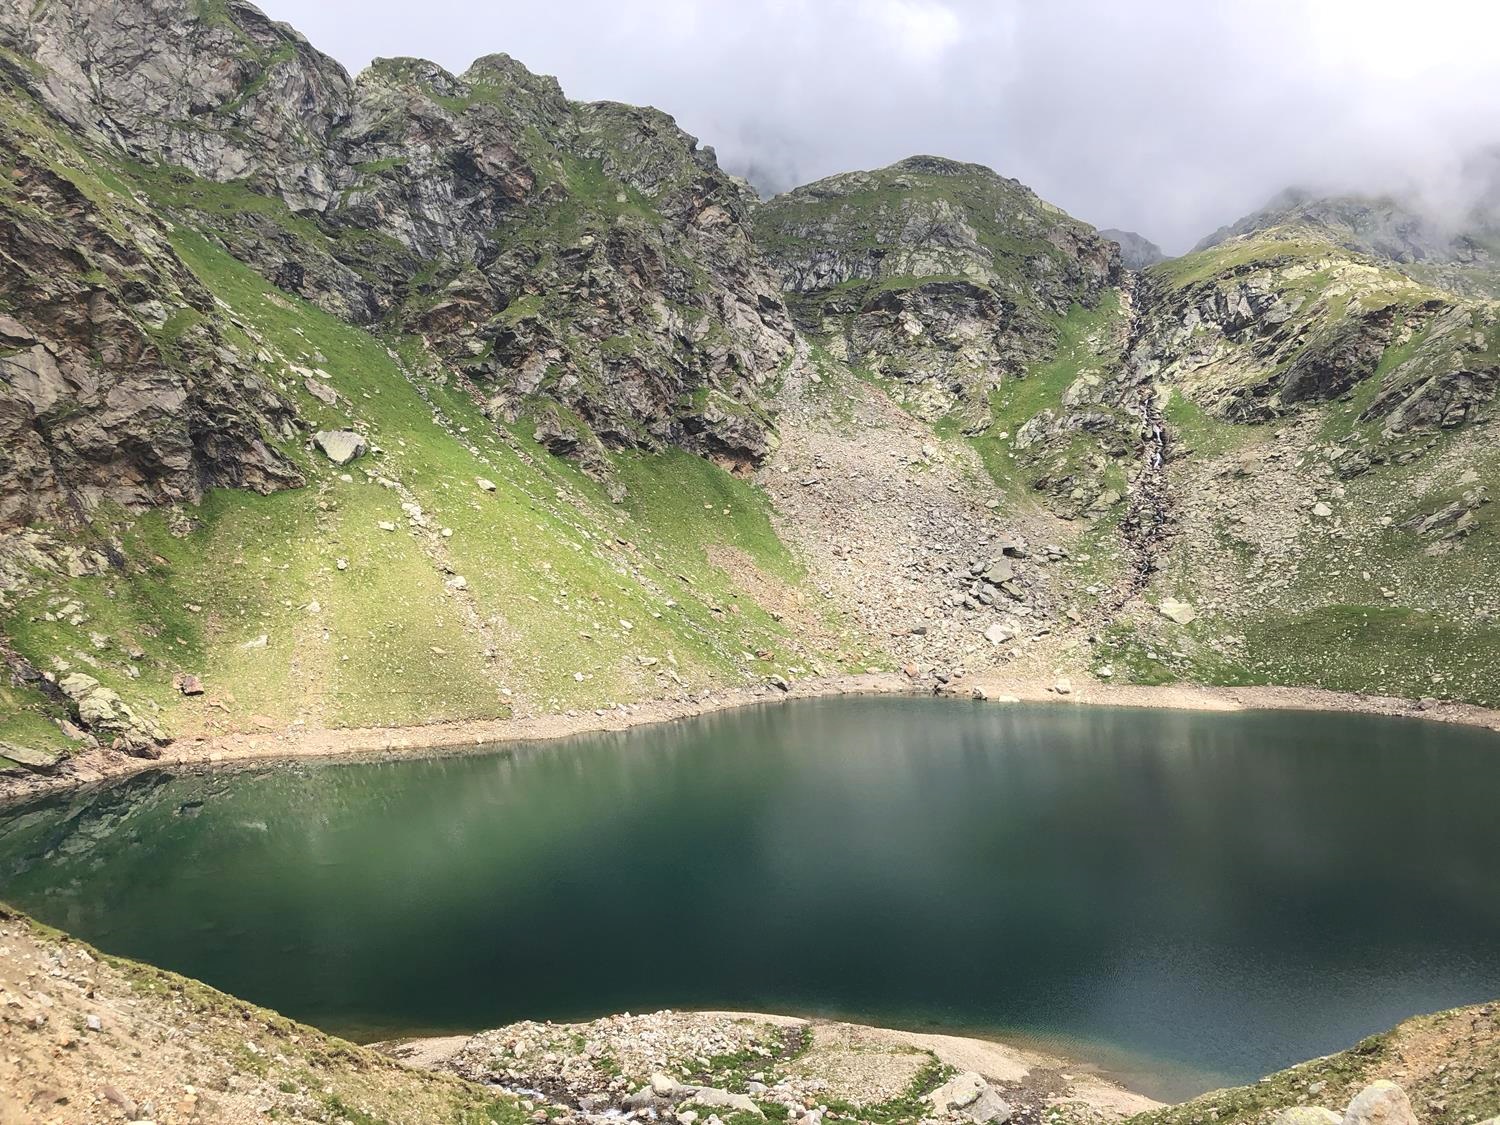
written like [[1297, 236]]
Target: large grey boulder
[[340, 446], [712, 1098], [1380, 1103], [1180, 612], [971, 1095], [999, 572], [103, 711], [1306, 1115]]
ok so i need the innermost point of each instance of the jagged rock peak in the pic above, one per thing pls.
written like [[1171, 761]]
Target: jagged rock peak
[[216, 87], [501, 70], [1136, 251], [939, 166], [935, 273]]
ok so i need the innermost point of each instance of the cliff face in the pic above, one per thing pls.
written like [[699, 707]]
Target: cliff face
[[588, 267], [1136, 251], [1254, 327], [118, 380], [941, 276], [209, 85]]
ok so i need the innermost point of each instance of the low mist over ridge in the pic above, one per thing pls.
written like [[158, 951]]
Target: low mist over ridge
[[1115, 112]]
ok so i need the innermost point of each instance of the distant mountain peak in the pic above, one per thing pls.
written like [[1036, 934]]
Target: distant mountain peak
[[1136, 251]]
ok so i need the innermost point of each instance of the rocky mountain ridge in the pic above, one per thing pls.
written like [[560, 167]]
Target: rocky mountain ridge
[[1459, 252], [962, 432], [590, 258], [943, 278], [1136, 251]]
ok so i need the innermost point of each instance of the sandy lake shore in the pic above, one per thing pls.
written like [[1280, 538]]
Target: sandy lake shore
[[299, 743], [833, 1060]]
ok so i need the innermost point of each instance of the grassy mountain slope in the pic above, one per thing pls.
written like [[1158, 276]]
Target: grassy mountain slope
[[1331, 422], [543, 593], [1448, 1063]]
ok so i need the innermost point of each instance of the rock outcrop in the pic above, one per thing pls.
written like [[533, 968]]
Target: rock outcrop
[[217, 88], [938, 275], [118, 378], [1259, 326], [586, 257], [1136, 251], [1458, 253]]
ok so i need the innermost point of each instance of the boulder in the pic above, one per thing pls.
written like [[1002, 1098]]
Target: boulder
[[189, 685], [340, 446], [104, 712], [1064, 686], [77, 685], [998, 634], [1306, 1115], [664, 1085], [485, 485], [1174, 610], [711, 1098], [321, 391], [36, 760], [998, 572], [1380, 1103], [968, 1093]]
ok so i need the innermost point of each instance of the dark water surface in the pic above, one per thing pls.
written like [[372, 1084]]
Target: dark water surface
[[1193, 898]]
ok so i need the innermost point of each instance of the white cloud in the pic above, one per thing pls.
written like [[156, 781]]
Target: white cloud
[[1165, 116]]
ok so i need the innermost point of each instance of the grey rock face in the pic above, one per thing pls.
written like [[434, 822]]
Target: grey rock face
[[1255, 345], [222, 89], [94, 405], [591, 256], [340, 446], [933, 272], [101, 710], [1136, 251]]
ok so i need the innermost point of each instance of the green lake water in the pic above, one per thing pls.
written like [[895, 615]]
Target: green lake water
[[1188, 898]]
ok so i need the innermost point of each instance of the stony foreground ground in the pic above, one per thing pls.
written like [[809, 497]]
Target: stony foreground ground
[[87, 1040], [693, 1066]]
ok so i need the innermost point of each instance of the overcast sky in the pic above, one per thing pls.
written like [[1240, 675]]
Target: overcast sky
[[1168, 117]]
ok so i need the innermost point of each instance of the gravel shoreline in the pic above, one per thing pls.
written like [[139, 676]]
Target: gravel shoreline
[[300, 744], [661, 1064]]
